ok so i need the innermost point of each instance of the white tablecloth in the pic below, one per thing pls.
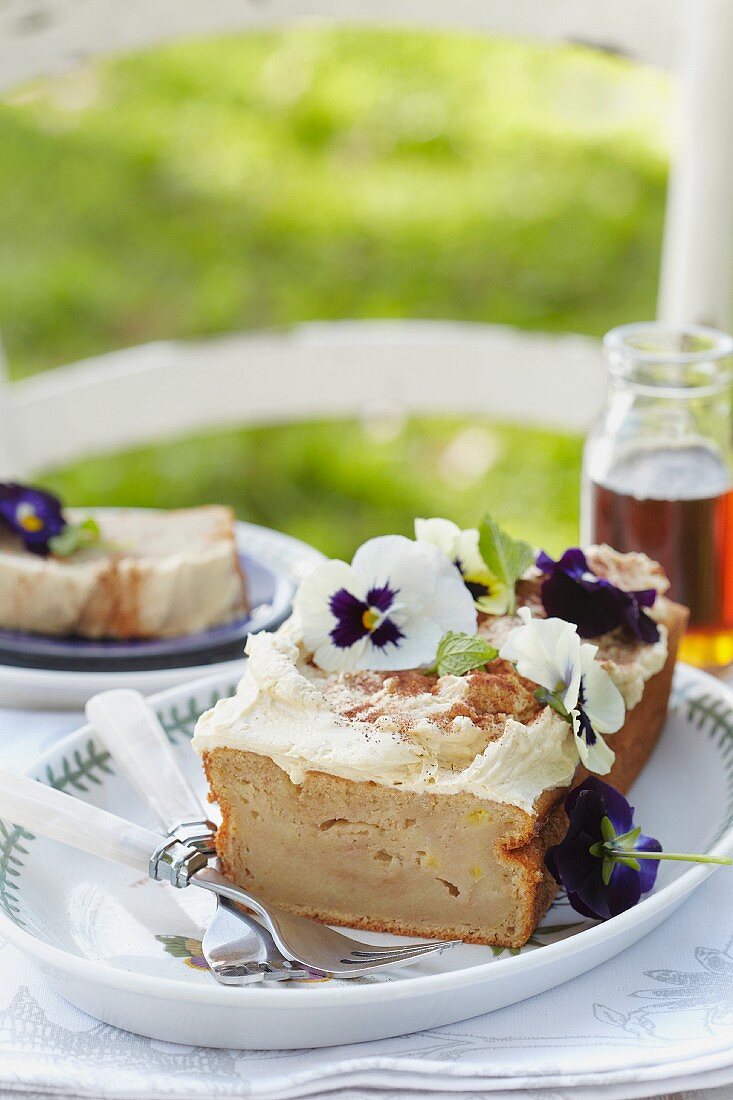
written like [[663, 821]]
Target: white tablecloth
[[656, 1021]]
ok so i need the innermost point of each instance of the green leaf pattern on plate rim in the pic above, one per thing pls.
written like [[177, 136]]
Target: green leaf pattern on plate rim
[[77, 772]]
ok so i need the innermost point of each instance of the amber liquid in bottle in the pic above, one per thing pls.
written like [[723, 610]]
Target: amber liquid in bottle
[[689, 529]]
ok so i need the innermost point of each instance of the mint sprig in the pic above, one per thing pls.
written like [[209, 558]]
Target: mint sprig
[[460, 653], [507, 558], [75, 536]]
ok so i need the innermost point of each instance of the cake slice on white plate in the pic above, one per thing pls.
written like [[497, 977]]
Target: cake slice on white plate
[[397, 757], [144, 574]]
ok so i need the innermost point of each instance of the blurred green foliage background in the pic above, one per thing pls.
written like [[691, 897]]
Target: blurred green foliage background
[[321, 173]]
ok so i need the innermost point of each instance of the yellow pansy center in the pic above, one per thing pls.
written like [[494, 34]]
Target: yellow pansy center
[[28, 519], [370, 619]]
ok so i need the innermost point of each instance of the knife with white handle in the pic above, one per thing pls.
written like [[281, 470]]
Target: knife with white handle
[[58, 816], [134, 735]]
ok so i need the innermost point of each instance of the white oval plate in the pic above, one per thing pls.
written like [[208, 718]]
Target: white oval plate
[[127, 950], [286, 559]]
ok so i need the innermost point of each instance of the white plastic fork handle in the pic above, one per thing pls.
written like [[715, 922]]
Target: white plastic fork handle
[[133, 734], [47, 812]]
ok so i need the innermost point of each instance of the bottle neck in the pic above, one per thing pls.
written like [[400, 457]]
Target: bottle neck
[[666, 427], [670, 386], [663, 363]]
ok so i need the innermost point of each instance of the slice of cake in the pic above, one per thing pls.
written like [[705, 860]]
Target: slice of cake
[[415, 800], [149, 575]]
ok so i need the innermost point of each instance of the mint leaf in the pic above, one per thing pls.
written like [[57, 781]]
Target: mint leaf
[[460, 653], [507, 558], [75, 536]]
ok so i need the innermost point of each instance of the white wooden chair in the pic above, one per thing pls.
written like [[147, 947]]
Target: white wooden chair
[[164, 389]]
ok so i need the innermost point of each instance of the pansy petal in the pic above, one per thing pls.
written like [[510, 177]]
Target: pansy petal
[[648, 867], [313, 607], [592, 607], [407, 567], [595, 899], [614, 805], [545, 563], [576, 864], [571, 863], [495, 602], [468, 553], [442, 533], [546, 651], [312, 603], [381, 597], [349, 613], [573, 562], [646, 597], [578, 903], [450, 605], [571, 591], [417, 647], [598, 757], [624, 889], [462, 549], [603, 702], [641, 624], [31, 514], [388, 610], [332, 658]]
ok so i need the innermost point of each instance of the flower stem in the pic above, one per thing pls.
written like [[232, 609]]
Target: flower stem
[[724, 861]]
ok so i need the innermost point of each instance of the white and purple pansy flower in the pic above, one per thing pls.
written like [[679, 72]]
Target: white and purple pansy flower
[[550, 652], [461, 547], [33, 515], [389, 609]]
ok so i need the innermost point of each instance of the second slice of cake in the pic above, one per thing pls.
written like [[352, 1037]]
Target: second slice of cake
[[152, 574]]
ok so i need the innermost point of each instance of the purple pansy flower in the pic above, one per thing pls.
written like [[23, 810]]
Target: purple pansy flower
[[389, 609], [574, 593], [32, 514], [595, 861]]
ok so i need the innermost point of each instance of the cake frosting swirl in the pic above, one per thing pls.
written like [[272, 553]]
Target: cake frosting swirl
[[288, 710]]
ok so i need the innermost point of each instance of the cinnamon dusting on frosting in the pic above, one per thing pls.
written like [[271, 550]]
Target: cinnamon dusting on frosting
[[486, 698]]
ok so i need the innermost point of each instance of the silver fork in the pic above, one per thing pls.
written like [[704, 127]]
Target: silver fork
[[314, 945], [236, 947], [240, 951]]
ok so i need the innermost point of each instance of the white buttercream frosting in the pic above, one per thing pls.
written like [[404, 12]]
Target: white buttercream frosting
[[289, 711]]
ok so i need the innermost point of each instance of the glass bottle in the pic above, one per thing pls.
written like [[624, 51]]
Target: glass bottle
[[657, 470]]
